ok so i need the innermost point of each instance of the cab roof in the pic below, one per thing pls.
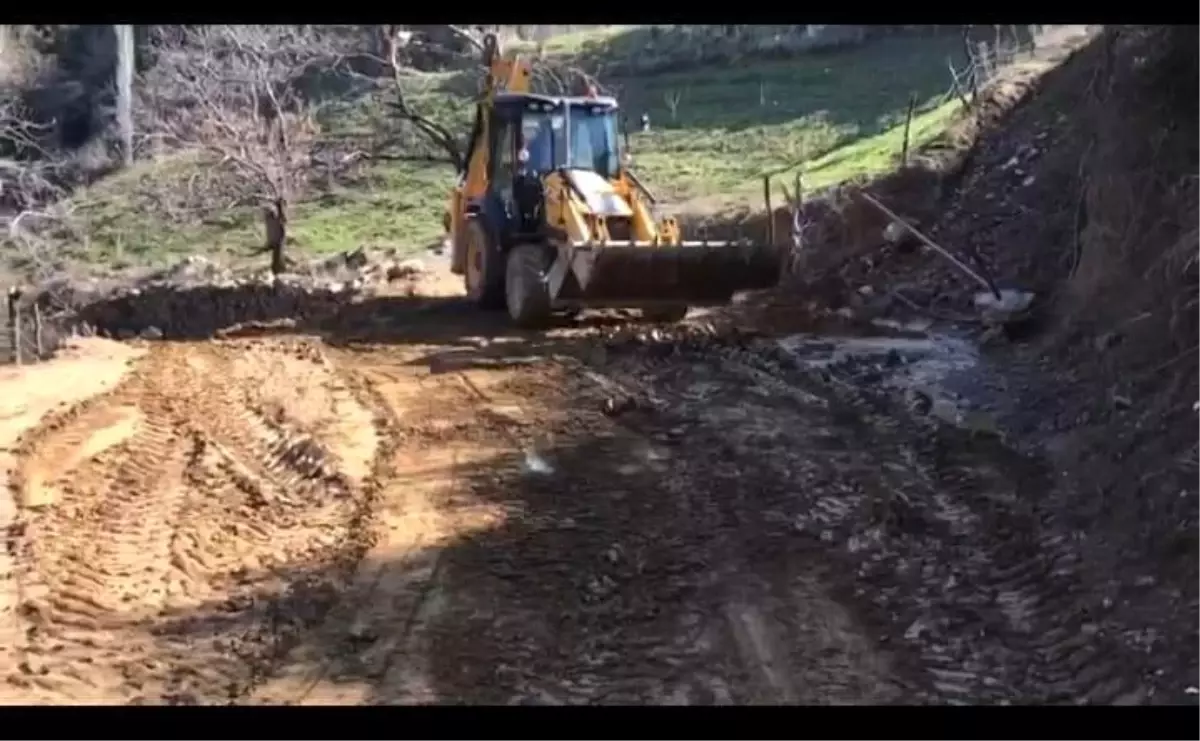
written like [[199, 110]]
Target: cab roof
[[521, 98]]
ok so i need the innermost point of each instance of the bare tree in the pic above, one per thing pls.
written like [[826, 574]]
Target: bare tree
[[125, 52], [549, 76], [31, 189], [393, 38], [558, 77], [29, 174], [672, 100], [231, 91]]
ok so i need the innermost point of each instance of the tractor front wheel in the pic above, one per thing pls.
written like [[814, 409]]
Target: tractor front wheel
[[527, 294], [484, 274]]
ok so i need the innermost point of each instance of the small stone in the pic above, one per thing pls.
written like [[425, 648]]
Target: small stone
[[404, 269], [356, 259], [1106, 341]]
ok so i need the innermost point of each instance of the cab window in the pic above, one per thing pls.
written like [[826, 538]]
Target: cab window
[[503, 164]]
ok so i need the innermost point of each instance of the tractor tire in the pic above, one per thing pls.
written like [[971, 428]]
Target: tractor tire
[[526, 292], [484, 273], [665, 314]]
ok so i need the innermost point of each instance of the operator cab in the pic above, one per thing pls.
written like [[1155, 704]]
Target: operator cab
[[547, 134], [535, 135]]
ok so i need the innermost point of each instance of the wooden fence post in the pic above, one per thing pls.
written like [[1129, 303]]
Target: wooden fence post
[[912, 106], [38, 347], [770, 213], [14, 322]]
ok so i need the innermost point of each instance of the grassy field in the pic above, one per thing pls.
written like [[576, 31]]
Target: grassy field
[[834, 115]]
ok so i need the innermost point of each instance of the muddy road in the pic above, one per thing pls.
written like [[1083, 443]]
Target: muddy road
[[431, 508]]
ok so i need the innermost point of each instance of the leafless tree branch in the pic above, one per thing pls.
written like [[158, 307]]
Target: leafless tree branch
[[232, 92], [28, 172], [436, 133], [31, 189]]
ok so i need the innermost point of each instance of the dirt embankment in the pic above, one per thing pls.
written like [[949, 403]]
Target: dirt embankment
[[1084, 193], [840, 231], [1120, 268]]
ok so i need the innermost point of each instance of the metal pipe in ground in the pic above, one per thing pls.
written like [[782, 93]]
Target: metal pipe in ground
[[981, 279]]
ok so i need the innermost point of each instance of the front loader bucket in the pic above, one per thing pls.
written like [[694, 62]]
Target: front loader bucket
[[631, 274]]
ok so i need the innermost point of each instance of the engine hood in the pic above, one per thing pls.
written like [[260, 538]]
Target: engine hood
[[598, 194]]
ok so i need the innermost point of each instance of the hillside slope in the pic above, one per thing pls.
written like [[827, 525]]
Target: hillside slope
[[715, 130], [1087, 195]]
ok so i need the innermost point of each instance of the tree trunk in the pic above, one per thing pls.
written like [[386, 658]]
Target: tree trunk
[[275, 220], [125, 64]]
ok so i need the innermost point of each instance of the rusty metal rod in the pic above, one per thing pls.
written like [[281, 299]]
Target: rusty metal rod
[[983, 281]]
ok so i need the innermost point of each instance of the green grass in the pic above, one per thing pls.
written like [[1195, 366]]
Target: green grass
[[401, 206], [147, 216], [140, 216], [570, 44], [732, 125], [834, 115], [864, 157], [391, 205]]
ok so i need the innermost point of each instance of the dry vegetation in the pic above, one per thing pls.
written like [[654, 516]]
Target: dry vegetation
[[346, 136]]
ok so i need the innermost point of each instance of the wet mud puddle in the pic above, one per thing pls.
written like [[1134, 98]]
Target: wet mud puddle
[[936, 374], [1017, 613]]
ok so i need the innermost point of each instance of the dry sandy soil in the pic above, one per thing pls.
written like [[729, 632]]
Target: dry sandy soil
[[416, 516]]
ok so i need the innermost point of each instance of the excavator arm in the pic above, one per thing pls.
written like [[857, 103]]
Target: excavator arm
[[511, 74]]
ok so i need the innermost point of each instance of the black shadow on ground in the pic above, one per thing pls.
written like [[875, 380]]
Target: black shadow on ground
[[615, 550], [606, 580]]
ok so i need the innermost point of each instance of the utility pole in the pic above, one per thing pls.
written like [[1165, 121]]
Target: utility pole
[[125, 51]]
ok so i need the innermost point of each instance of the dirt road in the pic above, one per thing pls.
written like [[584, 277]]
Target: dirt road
[[429, 507], [440, 518]]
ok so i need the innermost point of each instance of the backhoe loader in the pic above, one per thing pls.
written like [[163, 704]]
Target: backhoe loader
[[547, 217]]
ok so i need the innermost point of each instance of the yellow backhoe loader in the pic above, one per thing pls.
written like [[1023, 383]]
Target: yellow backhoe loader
[[547, 217]]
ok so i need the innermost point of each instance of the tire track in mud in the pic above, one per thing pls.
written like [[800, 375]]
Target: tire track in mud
[[955, 553], [182, 535], [369, 649], [798, 643], [531, 550]]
